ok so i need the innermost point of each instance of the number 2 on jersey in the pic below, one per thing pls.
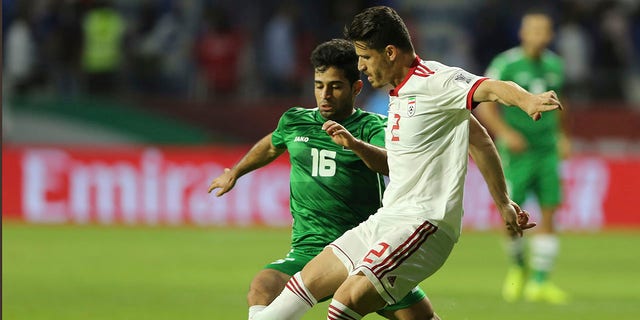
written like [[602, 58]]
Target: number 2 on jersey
[[395, 127], [323, 164], [377, 253]]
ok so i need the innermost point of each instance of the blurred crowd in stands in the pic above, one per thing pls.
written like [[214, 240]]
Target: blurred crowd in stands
[[217, 50]]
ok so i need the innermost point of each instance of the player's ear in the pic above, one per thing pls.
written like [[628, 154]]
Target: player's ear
[[391, 52], [357, 87]]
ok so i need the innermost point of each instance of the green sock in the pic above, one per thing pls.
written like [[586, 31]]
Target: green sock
[[540, 276]]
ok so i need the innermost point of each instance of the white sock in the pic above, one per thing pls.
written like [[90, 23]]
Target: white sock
[[292, 303], [338, 311], [255, 309], [515, 250], [544, 249]]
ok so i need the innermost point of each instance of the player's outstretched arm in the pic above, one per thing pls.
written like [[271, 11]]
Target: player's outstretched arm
[[511, 94], [261, 154], [484, 154], [374, 157]]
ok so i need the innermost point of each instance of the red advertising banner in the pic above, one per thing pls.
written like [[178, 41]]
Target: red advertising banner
[[149, 186]]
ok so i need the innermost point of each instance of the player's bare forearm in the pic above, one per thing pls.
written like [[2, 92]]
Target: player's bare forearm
[[261, 154], [373, 156], [484, 154], [511, 94]]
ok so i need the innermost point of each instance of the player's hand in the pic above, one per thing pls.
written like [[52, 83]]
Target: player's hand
[[516, 219], [224, 182], [339, 134], [564, 146], [543, 102], [515, 141]]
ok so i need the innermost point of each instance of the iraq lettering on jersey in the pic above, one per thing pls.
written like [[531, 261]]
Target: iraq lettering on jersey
[[411, 107], [301, 139]]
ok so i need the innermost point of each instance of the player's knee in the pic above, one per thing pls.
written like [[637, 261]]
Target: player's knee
[[266, 286]]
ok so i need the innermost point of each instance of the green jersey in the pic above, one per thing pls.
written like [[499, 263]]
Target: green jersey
[[536, 76], [332, 190]]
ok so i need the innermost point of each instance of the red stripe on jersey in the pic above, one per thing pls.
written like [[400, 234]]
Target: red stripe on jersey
[[402, 246], [470, 104], [423, 71], [405, 250], [414, 65]]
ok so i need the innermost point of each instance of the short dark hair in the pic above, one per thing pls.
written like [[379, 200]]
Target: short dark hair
[[379, 27], [338, 53]]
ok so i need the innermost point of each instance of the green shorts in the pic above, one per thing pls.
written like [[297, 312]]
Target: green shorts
[[295, 261], [535, 172]]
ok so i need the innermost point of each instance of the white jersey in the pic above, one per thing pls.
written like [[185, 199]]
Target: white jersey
[[427, 141]]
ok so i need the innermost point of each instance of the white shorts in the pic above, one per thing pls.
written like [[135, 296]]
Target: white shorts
[[395, 253]]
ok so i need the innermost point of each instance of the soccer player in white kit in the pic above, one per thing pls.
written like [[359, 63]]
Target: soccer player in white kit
[[427, 142]]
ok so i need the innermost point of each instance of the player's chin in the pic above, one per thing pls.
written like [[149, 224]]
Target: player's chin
[[327, 114], [375, 84]]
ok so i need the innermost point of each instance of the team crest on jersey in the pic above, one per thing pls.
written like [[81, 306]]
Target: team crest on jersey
[[411, 107]]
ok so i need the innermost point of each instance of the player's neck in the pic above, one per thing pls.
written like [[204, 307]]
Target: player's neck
[[404, 62], [532, 53]]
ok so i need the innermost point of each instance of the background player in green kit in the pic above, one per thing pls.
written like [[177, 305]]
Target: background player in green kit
[[332, 189], [530, 153]]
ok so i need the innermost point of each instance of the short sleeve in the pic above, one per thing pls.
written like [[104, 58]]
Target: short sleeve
[[278, 135], [377, 131]]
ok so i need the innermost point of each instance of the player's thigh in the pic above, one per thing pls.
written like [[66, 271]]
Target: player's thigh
[[519, 174], [324, 274], [359, 294], [549, 186]]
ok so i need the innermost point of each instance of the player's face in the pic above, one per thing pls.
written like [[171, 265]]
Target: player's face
[[335, 97], [374, 64], [536, 31]]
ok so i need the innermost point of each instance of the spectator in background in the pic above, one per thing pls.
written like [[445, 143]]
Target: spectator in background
[[574, 45], [613, 51], [104, 31], [145, 49], [280, 51], [19, 74], [63, 47], [161, 50], [218, 51]]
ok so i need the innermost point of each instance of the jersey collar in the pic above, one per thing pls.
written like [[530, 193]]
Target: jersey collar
[[412, 68]]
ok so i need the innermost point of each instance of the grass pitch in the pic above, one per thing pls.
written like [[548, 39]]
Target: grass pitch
[[93, 272]]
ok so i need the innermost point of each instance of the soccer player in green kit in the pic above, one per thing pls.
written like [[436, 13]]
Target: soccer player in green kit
[[530, 154], [332, 189]]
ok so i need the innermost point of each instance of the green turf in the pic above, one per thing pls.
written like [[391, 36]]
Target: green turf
[[70, 272]]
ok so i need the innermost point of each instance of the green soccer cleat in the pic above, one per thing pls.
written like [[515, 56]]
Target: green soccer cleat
[[513, 284], [544, 292]]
